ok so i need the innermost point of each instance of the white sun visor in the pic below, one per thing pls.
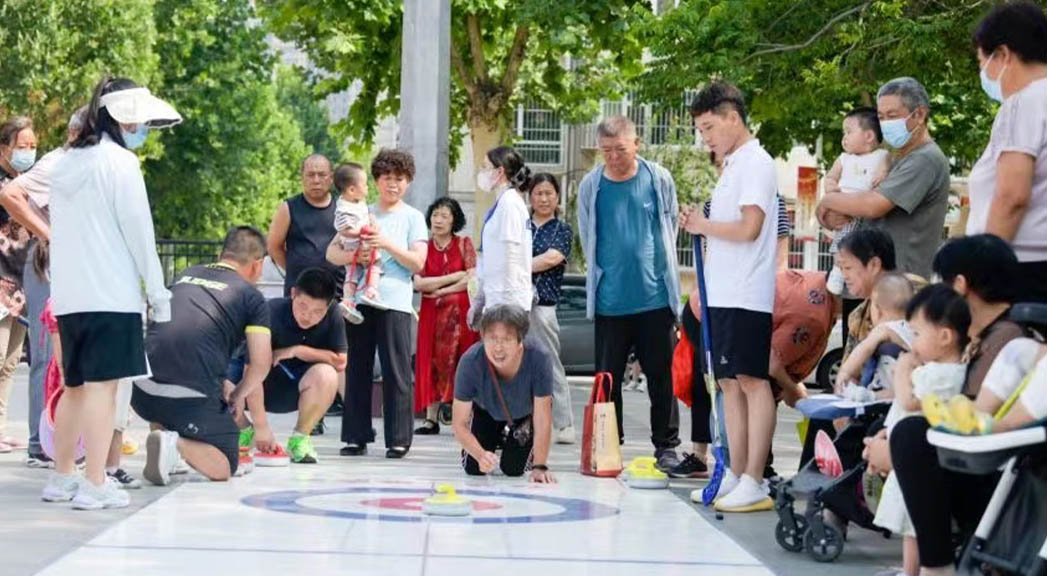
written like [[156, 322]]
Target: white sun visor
[[138, 106]]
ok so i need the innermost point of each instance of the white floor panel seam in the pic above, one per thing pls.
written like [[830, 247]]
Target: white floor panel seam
[[431, 555]]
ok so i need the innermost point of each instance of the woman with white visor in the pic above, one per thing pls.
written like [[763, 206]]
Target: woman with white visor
[[103, 253]]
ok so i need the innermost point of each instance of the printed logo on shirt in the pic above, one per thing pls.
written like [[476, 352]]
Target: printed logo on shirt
[[211, 284], [723, 361]]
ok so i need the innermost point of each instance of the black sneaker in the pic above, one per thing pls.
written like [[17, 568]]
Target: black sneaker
[[38, 461], [319, 429], [667, 460], [336, 408], [428, 428], [691, 467], [396, 452], [353, 450], [124, 480]]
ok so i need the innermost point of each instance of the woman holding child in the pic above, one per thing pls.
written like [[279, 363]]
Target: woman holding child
[[443, 334]]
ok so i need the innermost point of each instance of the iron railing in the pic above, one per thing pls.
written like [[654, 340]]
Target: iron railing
[[177, 255]]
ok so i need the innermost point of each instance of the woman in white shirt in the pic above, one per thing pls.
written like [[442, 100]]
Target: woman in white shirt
[[103, 253], [503, 268], [1008, 185]]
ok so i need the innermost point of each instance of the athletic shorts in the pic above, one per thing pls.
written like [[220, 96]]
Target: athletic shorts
[[205, 419], [741, 342], [281, 387], [101, 346]]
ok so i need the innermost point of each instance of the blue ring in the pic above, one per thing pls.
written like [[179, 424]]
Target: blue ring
[[574, 509]]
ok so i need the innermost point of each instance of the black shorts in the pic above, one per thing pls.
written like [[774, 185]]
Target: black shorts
[[206, 420], [101, 346], [281, 387], [741, 342]]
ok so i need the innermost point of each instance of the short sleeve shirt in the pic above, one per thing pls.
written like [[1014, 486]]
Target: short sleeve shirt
[[785, 224], [328, 334], [741, 274], [473, 381], [918, 186], [404, 226], [1020, 126], [629, 250], [212, 309], [555, 235], [803, 316]]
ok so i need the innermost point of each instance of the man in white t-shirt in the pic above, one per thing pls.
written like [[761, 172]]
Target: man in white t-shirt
[[740, 277]]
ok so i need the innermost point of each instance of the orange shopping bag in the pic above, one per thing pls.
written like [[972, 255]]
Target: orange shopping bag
[[683, 369], [601, 452]]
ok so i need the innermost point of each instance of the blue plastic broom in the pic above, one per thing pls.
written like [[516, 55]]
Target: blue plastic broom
[[711, 489]]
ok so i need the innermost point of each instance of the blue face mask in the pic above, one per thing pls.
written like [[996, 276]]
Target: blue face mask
[[895, 133], [993, 88], [134, 140], [23, 159]]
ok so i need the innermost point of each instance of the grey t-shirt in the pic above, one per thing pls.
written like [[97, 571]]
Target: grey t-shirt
[[472, 382], [918, 186]]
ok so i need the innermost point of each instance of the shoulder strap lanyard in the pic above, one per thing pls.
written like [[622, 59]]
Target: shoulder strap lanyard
[[501, 398]]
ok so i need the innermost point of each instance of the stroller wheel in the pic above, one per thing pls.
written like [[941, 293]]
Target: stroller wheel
[[444, 415], [791, 540], [824, 549]]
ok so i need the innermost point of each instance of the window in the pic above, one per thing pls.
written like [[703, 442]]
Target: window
[[538, 134]]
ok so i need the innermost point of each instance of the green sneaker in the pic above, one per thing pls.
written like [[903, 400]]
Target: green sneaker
[[247, 437], [301, 449]]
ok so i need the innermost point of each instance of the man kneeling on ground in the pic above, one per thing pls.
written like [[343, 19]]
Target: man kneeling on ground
[[503, 399], [309, 350], [213, 307]]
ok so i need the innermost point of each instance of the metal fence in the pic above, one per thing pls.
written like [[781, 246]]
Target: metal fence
[[539, 134], [177, 255]]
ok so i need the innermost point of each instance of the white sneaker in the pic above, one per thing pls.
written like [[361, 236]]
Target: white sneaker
[[565, 435], [108, 495], [641, 384], [748, 496], [60, 487], [727, 484], [376, 304], [181, 468], [161, 456], [629, 385], [350, 313]]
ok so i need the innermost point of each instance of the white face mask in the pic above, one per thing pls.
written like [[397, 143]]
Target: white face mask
[[485, 180]]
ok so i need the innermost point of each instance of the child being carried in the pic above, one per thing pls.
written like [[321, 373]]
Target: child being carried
[[352, 219]]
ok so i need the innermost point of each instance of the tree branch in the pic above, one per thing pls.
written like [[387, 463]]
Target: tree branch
[[515, 59], [476, 48], [459, 66], [828, 26]]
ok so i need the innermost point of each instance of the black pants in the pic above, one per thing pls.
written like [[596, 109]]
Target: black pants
[[848, 306], [651, 335], [701, 403], [390, 332], [1032, 282], [515, 459], [935, 496]]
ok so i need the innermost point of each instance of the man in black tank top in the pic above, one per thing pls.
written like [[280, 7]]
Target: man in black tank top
[[303, 226]]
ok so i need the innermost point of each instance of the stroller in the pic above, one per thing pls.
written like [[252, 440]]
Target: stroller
[[1011, 537], [842, 495]]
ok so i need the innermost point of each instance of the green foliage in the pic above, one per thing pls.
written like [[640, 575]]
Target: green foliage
[[238, 152], [803, 63], [296, 96], [693, 173], [55, 51], [565, 55]]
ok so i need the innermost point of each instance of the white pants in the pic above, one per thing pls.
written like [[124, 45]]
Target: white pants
[[546, 328]]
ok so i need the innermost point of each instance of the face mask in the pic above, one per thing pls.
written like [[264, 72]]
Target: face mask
[[895, 132], [485, 180], [23, 159], [993, 88], [134, 140]]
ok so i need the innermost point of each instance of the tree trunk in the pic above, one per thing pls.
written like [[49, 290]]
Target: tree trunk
[[484, 137]]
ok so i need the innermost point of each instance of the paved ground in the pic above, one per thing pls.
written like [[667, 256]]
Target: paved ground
[[33, 535]]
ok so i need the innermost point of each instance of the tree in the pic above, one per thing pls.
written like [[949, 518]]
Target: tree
[[802, 64], [565, 55], [296, 96], [55, 51], [237, 155]]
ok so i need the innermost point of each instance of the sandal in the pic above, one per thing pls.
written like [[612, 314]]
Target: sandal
[[428, 428]]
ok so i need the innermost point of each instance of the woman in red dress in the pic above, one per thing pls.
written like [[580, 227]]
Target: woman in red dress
[[443, 334]]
